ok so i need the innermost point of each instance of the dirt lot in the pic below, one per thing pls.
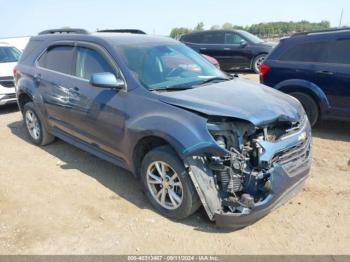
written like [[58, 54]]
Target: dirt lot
[[60, 200]]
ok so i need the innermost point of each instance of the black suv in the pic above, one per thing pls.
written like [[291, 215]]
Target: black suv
[[154, 106], [234, 49], [314, 67]]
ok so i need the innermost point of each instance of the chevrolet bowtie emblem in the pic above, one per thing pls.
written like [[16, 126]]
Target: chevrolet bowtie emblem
[[302, 136]]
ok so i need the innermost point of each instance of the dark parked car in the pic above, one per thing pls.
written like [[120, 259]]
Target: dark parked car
[[154, 106], [314, 67], [234, 49]]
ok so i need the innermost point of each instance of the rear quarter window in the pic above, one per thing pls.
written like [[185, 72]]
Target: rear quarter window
[[338, 52]]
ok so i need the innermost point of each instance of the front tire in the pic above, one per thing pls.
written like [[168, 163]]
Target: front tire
[[35, 128], [258, 60], [167, 184]]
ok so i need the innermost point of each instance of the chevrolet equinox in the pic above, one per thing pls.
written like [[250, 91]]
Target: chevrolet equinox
[[192, 134]]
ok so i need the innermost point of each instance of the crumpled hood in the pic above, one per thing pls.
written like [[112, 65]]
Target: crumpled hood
[[238, 98]]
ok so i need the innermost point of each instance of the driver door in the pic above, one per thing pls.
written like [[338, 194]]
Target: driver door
[[97, 113], [239, 56]]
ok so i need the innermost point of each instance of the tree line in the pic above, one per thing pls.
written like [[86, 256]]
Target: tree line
[[263, 30]]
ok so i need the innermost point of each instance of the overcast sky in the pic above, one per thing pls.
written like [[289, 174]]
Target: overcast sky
[[22, 18]]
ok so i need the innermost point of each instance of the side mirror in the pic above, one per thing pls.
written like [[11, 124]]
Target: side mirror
[[106, 79], [243, 43]]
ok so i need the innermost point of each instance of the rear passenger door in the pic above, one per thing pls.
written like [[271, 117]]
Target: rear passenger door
[[333, 75], [53, 76], [97, 113], [213, 44]]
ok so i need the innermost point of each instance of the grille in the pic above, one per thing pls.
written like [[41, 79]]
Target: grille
[[293, 157], [11, 96], [7, 84], [7, 81]]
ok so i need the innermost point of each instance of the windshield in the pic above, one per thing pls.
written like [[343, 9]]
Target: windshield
[[163, 66], [9, 54], [251, 37]]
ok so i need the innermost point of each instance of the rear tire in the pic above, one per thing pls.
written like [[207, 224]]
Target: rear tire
[[258, 60], [310, 106], [164, 160], [35, 128]]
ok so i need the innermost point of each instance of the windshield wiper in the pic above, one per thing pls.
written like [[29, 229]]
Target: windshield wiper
[[171, 88], [190, 86], [214, 79]]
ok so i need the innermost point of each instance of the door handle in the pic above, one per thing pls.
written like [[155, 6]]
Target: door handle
[[227, 48], [73, 93], [37, 77], [202, 48], [73, 89], [325, 72]]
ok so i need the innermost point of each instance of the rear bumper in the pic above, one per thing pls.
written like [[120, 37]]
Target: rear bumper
[[284, 187]]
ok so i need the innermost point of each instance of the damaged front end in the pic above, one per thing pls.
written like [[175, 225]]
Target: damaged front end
[[258, 169]]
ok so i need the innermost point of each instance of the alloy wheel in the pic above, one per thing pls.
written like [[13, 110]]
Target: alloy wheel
[[259, 62], [32, 124], [164, 185]]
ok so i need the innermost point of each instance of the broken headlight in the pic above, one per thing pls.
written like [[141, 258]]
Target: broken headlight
[[224, 135]]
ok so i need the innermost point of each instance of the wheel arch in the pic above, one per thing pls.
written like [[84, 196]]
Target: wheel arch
[[306, 87], [145, 145], [23, 98]]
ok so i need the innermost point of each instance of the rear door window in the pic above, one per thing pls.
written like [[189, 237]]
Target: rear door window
[[305, 52], [58, 58], [213, 38], [194, 38]]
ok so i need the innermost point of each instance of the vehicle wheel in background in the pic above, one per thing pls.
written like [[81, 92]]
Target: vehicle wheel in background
[[259, 60], [310, 106], [167, 183]]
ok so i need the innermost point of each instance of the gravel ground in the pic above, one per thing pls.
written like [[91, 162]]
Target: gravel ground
[[58, 199]]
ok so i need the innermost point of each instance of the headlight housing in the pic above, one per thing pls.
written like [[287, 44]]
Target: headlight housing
[[228, 133]]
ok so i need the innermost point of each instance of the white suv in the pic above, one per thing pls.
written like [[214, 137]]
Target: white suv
[[9, 56]]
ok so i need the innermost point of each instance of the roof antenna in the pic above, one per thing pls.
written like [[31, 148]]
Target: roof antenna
[[341, 17]]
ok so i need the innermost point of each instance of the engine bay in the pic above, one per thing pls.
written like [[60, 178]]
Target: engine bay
[[242, 178]]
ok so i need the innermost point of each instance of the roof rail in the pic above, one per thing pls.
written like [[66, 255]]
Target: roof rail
[[64, 30], [132, 31], [322, 31]]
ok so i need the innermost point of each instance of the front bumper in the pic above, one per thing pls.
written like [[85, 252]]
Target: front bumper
[[284, 187], [7, 93], [6, 99], [289, 162]]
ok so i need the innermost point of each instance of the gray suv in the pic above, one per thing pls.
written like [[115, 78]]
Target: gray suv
[[192, 134]]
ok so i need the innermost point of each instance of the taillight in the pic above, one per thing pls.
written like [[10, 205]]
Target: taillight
[[14, 72], [263, 69]]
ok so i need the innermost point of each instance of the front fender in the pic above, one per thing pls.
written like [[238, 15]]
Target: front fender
[[186, 132], [300, 85]]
